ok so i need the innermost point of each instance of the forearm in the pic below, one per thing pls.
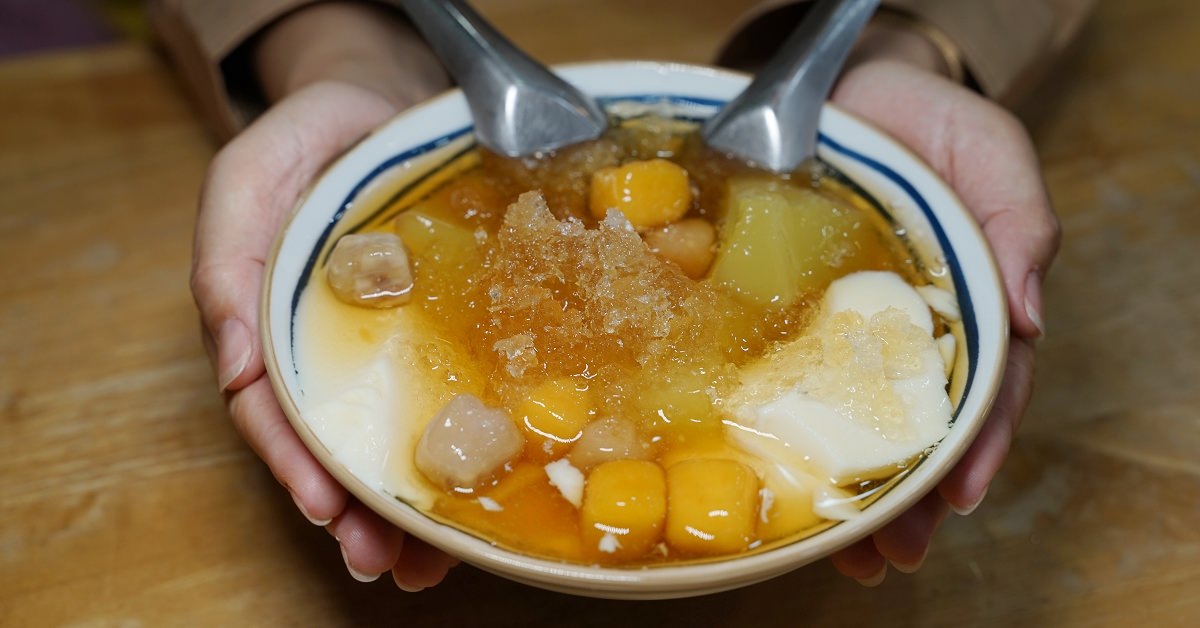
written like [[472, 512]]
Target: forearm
[[239, 56], [353, 42]]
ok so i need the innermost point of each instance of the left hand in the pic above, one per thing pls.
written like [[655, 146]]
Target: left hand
[[985, 155], [334, 70], [251, 188]]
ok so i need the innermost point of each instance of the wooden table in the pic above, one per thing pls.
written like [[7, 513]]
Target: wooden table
[[127, 499]]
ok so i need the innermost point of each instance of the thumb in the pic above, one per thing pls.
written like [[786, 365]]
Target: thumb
[[997, 173], [984, 153], [251, 188], [1025, 242]]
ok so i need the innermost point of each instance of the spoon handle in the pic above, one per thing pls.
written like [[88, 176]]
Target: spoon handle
[[774, 122], [519, 106]]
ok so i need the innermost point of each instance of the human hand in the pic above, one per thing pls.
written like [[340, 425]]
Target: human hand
[[252, 186], [985, 155], [338, 71]]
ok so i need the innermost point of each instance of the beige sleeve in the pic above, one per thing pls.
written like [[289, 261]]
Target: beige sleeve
[[203, 38], [1006, 45]]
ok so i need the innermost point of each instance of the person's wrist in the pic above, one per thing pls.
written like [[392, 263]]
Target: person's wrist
[[903, 38], [358, 43]]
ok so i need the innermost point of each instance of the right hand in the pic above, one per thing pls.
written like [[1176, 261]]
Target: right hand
[[986, 156], [251, 188]]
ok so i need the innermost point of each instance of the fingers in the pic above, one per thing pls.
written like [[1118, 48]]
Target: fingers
[[862, 562], [370, 545], [1024, 247], [257, 416], [965, 486], [905, 541], [421, 566], [1002, 186], [251, 187]]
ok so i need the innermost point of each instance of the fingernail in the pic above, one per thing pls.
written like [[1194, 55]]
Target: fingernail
[[913, 567], [1033, 302], [962, 512], [874, 580], [404, 586], [361, 577], [304, 511], [233, 351]]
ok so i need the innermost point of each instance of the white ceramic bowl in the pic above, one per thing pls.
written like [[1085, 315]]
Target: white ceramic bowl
[[937, 225]]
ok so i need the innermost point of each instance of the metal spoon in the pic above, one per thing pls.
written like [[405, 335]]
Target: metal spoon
[[519, 107], [773, 123]]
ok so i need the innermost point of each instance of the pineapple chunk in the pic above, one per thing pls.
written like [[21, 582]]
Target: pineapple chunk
[[553, 416], [676, 405], [624, 504], [779, 241], [649, 193], [430, 236], [712, 506]]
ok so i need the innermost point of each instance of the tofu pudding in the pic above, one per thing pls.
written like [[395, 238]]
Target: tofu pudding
[[630, 352]]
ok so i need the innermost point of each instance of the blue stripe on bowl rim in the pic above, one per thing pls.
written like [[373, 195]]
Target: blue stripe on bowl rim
[[962, 292]]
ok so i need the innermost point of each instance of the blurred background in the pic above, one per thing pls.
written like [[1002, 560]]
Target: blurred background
[[29, 26]]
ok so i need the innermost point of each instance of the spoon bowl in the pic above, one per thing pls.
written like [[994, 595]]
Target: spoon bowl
[[519, 106], [773, 123]]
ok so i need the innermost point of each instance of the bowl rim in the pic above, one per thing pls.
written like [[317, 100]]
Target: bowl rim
[[670, 580]]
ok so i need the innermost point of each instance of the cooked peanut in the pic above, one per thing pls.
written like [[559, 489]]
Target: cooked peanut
[[467, 443], [690, 243], [650, 193], [370, 270]]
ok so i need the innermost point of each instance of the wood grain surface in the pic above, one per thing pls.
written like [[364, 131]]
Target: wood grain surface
[[127, 499]]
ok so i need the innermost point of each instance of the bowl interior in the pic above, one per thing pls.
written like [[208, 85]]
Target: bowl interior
[[397, 155]]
